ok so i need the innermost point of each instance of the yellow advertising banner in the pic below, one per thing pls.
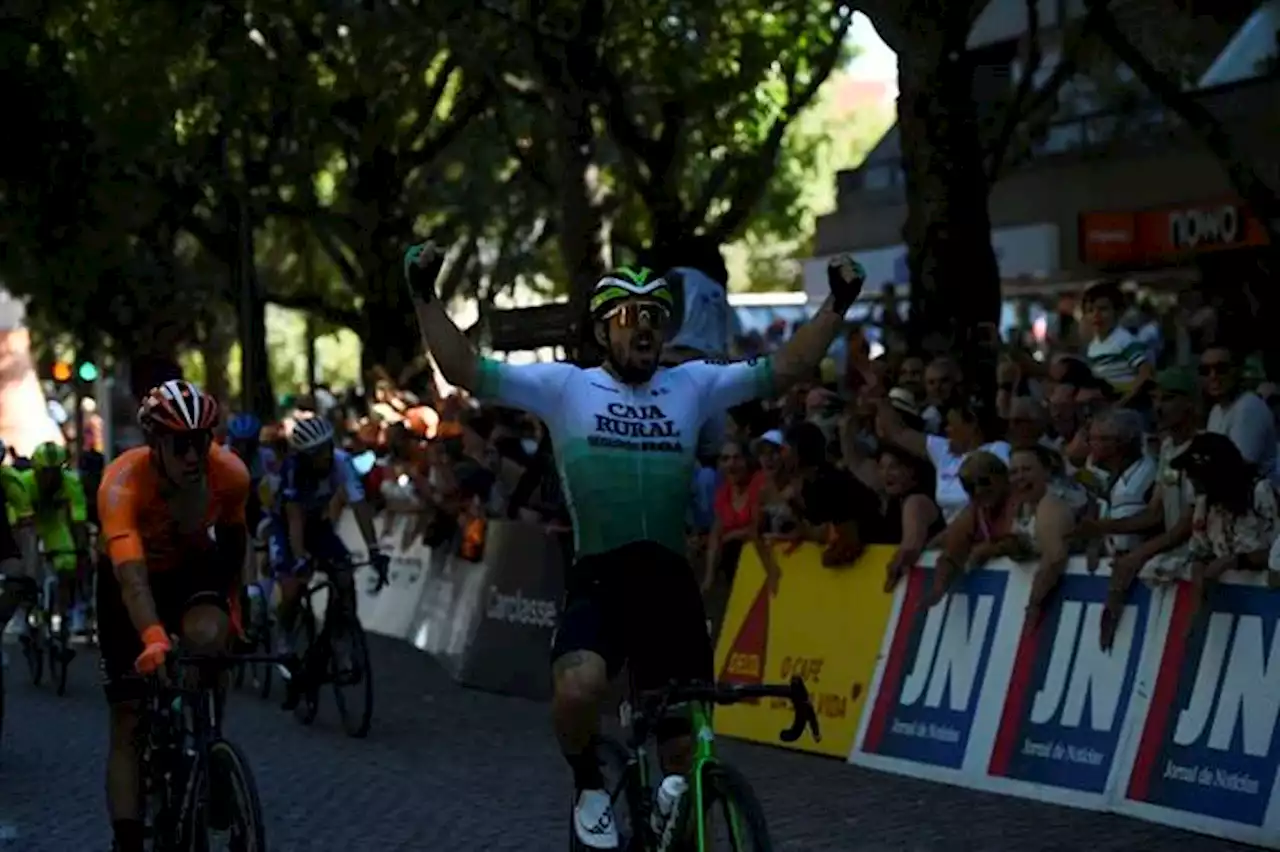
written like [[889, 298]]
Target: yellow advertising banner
[[824, 624]]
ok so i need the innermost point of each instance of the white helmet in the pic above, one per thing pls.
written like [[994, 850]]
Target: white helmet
[[310, 434]]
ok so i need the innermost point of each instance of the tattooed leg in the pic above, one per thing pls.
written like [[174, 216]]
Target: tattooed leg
[[580, 683]]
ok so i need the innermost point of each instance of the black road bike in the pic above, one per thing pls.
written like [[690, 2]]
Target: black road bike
[[48, 634], [194, 781], [258, 627], [335, 652], [713, 785]]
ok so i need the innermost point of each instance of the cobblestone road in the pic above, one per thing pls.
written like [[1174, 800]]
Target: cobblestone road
[[452, 769]]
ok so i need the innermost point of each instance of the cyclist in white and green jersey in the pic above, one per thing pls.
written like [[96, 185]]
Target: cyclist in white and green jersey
[[624, 438]]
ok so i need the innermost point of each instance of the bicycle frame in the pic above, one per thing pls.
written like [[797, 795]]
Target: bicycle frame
[[697, 704], [640, 793]]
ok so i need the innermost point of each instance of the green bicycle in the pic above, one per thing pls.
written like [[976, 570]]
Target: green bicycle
[[712, 784]]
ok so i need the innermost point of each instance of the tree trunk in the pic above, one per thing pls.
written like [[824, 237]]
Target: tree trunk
[[256, 394], [390, 337], [583, 232], [955, 280], [215, 351]]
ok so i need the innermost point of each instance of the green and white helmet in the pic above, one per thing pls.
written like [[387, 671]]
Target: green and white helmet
[[630, 282]]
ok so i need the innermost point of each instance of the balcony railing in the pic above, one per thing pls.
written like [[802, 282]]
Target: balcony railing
[[1150, 125]]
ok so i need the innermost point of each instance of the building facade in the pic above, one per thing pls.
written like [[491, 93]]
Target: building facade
[[1103, 190]]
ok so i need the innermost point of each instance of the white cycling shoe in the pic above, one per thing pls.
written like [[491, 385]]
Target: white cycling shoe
[[593, 821]]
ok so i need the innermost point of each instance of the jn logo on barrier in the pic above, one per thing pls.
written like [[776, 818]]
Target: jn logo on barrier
[[1210, 744], [929, 690], [1067, 697]]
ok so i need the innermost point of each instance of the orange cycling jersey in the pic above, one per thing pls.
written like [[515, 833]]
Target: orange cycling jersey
[[137, 518]]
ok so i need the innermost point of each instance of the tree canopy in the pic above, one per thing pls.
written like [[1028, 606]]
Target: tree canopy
[[181, 166]]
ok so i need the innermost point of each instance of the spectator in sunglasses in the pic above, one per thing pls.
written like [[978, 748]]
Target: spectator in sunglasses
[[1239, 414], [984, 528]]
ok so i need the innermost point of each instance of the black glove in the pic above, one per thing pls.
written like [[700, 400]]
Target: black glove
[[380, 562], [845, 277], [422, 264]]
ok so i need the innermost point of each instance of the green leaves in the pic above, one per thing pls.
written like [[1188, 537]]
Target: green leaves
[[349, 130]]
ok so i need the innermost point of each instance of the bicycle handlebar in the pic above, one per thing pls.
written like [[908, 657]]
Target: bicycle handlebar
[[225, 659], [733, 693]]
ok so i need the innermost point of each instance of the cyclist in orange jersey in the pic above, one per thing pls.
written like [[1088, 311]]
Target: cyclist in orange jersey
[[173, 519]]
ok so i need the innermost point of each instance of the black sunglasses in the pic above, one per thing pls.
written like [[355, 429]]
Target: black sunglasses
[[184, 442], [975, 483]]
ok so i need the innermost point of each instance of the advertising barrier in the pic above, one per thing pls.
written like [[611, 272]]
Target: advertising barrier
[[509, 650], [1176, 723], [487, 623], [823, 624], [1206, 755]]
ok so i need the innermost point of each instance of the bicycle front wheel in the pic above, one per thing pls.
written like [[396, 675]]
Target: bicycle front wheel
[[60, 655], [33, 650], [352, 676], [733, 819], [233, 813]]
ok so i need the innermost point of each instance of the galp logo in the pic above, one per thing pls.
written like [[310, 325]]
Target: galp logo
[[1209, 745], [934, 673], [746, 659], [1067, 697]]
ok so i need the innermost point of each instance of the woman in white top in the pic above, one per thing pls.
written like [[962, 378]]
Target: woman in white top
[[1044, 520], [967, 431]]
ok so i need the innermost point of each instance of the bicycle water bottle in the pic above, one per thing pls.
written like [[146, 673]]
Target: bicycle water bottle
[[257, 606], [664, 807]]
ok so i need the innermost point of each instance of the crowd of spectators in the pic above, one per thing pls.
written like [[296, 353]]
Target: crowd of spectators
[[1107, 448]]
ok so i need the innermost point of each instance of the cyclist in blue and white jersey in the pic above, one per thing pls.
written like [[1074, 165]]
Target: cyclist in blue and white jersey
[[316, 480], [623, 436]]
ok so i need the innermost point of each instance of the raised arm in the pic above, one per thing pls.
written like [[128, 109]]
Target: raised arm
[[457, 359], [796, 360]]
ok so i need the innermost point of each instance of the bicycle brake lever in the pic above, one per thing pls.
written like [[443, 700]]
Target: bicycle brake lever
[[805, 715]]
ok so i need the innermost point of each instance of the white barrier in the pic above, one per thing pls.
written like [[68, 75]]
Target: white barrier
[[1176, 724]]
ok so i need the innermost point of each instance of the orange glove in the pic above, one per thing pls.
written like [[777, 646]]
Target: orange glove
[[155, 648]]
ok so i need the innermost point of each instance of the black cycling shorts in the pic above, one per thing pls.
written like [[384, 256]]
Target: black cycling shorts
[[639, 605], [205, 579]]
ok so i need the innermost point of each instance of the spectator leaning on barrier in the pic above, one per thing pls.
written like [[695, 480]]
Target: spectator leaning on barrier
[[983, 529], [1128, 474], [1043, 519], [1172, 499], [737, 520], [911, 517], [1239, 414], [834, 508], [1235, 520]]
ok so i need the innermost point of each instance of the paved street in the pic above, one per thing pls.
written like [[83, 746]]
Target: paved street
[[451, 769]]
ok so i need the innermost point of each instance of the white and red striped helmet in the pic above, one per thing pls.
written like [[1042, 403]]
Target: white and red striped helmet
[[176, 406]]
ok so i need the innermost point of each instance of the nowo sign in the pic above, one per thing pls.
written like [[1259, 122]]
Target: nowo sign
[[1214, 226], [1121, 238]]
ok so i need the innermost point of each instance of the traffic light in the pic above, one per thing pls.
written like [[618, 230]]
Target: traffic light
[[61, 371], [88, 371]]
